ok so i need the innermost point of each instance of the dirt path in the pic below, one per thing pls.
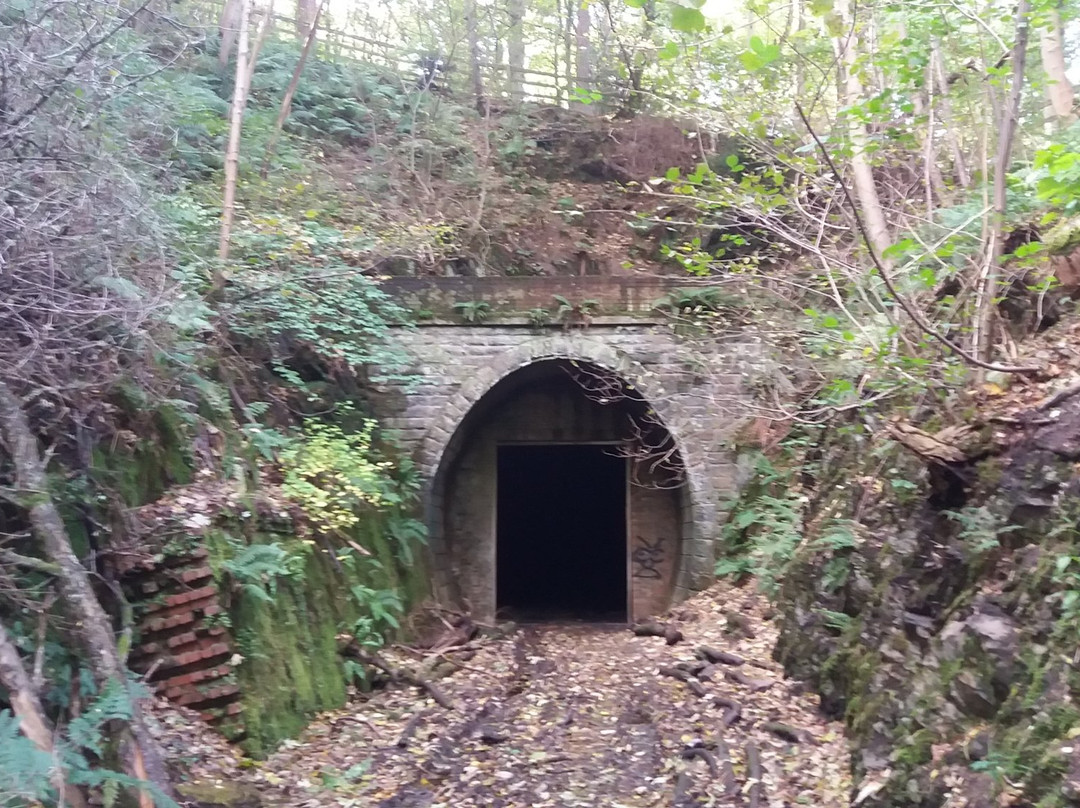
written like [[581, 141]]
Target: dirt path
[[575, 715]]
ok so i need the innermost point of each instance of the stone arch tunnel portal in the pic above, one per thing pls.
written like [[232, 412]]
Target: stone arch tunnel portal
[[560, 495]]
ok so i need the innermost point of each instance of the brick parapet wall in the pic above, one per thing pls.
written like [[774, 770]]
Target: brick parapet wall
[[507, 296]]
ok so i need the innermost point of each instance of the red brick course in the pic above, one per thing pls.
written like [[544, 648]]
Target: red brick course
[[182, 653]]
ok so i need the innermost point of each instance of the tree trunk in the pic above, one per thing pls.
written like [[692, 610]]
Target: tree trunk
[[93, 627], [472, 30], [941, 85], [228, 28], [1059, 89], [583, 42], [290, 91], [863, 173], [515, 49], [232, 151], [568, 49], [986, 288], [307, 12], [27, 707]]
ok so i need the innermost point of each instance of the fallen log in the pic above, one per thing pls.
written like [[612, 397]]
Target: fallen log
[[672, 635], [373, 659], [732, 710], [755, 685], [739, 625], [701, 753], [654, 628], [692, 668], [682, 785], [683, 676], [786, 732], [717, 656], [490, 736], [756, 792], [727, 770]]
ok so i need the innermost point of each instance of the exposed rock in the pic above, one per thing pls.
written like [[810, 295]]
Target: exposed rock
[[956, 674]]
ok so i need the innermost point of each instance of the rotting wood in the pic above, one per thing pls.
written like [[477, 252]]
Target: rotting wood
[[672, 635], [756, 792], [717, 656], [732, 710], [708, 673], [692, 668], [353, 650], [683, 676], [652, 628], [728, 782], [755, 685], [701, 753], [410, 729], [786, 732], [1058, 397], [33, 722]]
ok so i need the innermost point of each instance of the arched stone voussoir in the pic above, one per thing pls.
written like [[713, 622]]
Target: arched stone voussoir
[[570, 347]]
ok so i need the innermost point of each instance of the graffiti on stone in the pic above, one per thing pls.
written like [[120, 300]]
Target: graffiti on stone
[[647, 558]]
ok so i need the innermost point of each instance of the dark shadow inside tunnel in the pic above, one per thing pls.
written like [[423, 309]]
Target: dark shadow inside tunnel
[[561, 532]]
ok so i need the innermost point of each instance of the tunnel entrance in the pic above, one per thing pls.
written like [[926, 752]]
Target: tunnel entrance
[[561, 532]]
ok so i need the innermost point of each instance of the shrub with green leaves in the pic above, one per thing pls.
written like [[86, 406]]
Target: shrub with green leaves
[[334, 475]]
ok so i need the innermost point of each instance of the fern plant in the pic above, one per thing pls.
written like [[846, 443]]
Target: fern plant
[[26, 772], [473, 312], [257, 568], [581, 312]]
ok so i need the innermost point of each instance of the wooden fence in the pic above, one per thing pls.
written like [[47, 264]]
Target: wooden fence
[[500, 79]]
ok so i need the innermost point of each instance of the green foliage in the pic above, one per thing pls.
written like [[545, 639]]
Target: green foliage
[[334, 475], [256, 568], [473, 311], [580, 312], [695, 301], [538, 317], [980, 529], [381, 612], [764, 528], [335, 312], [25, 771]]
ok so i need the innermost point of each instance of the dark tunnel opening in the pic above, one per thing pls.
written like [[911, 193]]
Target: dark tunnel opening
[[561, 532]]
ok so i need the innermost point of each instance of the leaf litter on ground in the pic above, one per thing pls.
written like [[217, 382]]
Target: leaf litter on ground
[[567, 714]]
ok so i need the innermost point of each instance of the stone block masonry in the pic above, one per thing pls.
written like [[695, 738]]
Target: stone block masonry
[[695, 387]]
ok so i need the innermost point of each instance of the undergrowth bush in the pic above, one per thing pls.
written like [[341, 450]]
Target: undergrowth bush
[[334, 475], [26, 772]]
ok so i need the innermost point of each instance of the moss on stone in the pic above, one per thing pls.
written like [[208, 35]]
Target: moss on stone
[[291, 668]]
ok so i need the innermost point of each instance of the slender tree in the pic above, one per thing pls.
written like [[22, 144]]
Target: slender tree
[[515, 48], [584, 49], [1059, 90], [93, 626], [307, 12], [228, 29], [472, 33], [232, 150], [26, 704], [866, 190], [290, 91], [986, 287]]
